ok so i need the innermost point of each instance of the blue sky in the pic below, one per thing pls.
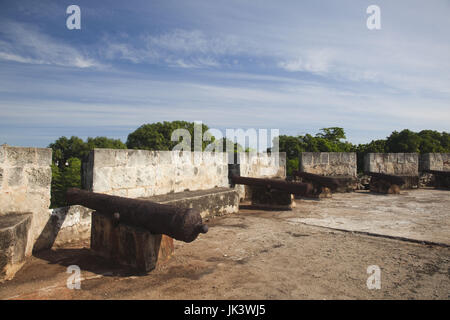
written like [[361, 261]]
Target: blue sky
[[296, 66]]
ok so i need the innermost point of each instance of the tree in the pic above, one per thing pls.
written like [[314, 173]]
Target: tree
[[68, 155], [329, 140], [105, 143], [64, 178], [157, 136], [64, 149], [333, 134]]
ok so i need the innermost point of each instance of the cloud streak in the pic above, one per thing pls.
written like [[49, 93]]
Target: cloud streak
[[24, 43]]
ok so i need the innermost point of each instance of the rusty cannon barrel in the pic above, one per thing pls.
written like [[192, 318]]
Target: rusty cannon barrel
[[178, 223], [329, 182], [387, 177], [288, 186], [438, 172]]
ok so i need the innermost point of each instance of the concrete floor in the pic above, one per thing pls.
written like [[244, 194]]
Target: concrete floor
[[306, 253], [420, 214]]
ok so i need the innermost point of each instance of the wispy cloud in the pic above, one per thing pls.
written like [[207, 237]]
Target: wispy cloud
[[317, 61], [25, 44], [174, 48]]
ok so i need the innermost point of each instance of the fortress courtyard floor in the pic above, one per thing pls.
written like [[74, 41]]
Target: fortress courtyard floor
[[319, 250]]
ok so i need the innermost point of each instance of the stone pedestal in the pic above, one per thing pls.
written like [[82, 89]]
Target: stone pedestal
[[271, 199], [14, 228], [127, 245], [380, 185]]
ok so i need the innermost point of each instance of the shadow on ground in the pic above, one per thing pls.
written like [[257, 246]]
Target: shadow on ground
[[86, 260]]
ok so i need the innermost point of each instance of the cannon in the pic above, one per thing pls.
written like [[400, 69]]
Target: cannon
[[287, 186], [387, 177], [181, 224], [437, 172], [441, 178], [385, 183], [333, 183]]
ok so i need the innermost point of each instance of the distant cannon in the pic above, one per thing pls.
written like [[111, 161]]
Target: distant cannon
[[387, 177], [282, 185], [341, 183], [181, 224], [442, 178], [387, 183]]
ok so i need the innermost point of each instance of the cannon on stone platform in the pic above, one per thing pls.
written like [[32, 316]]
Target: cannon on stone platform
[[385, 183], [273, 193], [441, 178], [287, 186], [325, 184], [180, 224], [136, 233]]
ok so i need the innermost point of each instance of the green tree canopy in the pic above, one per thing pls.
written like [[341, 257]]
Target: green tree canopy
[[157, 136], [68, 155], [65, 148]]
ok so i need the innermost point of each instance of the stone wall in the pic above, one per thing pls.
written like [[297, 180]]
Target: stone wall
[[260, 165], [65, 225], [25, 180], [435, 161], [328, 163], [141, 173], [402, 164]]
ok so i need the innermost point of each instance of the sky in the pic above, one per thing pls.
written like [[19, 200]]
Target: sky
[[297, 66]]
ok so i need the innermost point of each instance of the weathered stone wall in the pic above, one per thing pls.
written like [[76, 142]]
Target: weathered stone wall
[[258, 165], [65, 225], [328, 163], [402, 164], [141, 173], [435, 161], [25, 180]]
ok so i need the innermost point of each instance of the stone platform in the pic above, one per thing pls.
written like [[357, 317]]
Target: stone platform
[[14, 228], [271, 199], [127, 245], [380, 185]]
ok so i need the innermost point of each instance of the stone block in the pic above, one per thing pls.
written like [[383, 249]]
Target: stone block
[[137, 158], [324, 158], [2, 155], [43, 157], [15, 177], [101, 179], [121, 158], [104, 158], [38, 177], [19, 157], [328, 163], [127, 245], [14, 229]]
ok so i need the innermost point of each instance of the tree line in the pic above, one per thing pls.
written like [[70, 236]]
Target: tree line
[[69, 153], [333, 140]]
